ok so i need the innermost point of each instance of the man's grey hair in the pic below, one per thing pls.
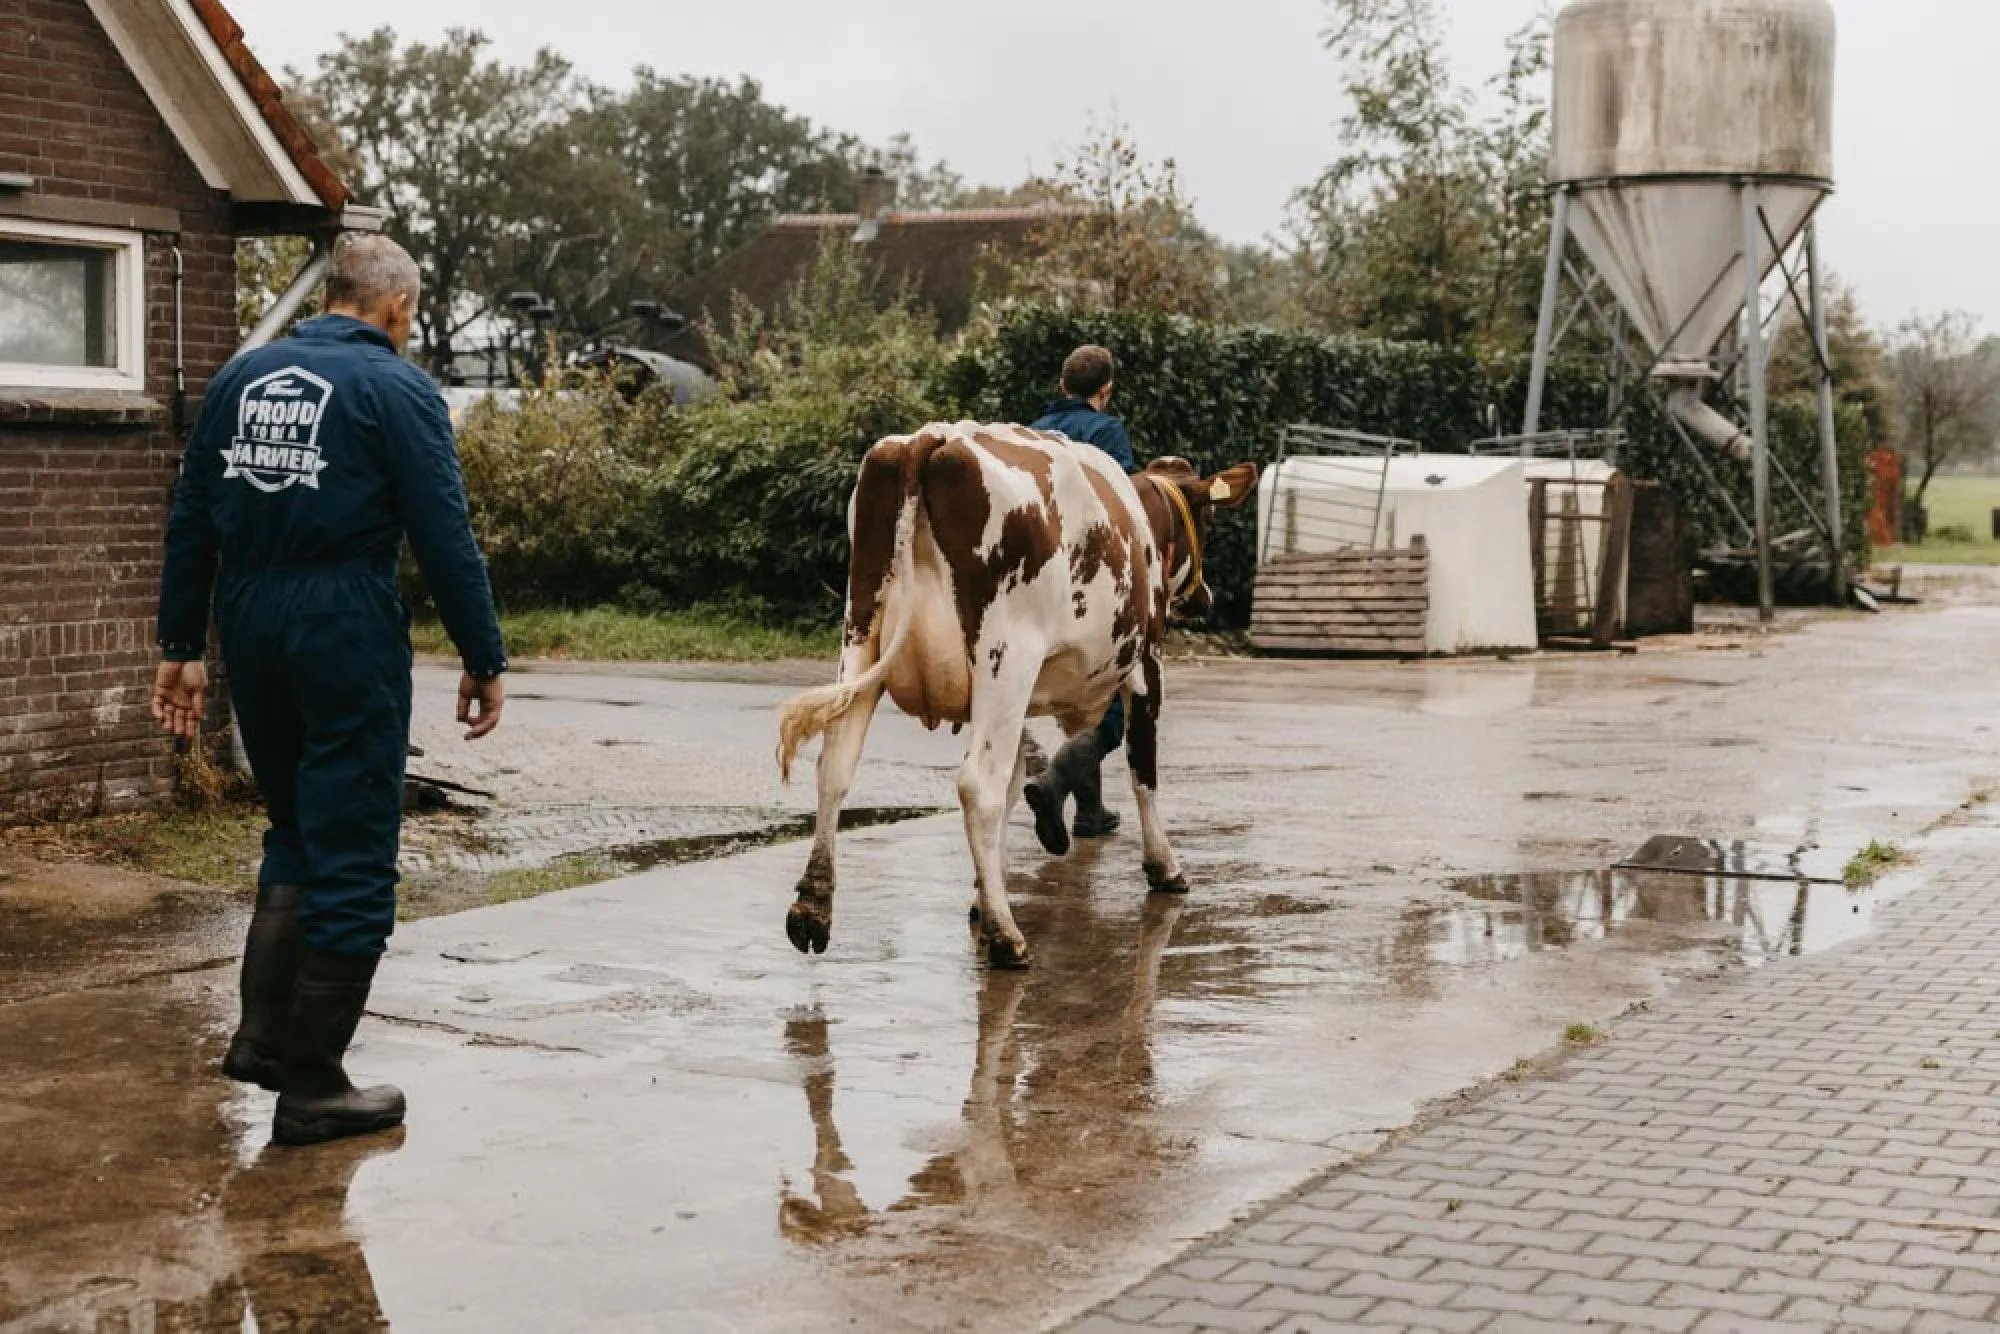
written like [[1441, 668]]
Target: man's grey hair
[[367, 271]]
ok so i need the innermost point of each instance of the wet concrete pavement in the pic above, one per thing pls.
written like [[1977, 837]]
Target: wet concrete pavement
[[637, 757], [635, 1108]]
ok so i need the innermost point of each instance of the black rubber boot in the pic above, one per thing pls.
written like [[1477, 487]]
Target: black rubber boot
[[318, 1102], [1074, 771], [270, 967], [1093, 818]]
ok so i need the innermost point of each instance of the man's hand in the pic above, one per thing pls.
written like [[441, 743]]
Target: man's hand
[[180, 697], [488, 695]]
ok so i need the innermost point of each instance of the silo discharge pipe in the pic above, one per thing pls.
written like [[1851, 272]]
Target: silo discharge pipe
[[1684, 400]]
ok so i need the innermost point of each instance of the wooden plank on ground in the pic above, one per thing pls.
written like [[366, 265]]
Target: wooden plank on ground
[[1402, 648], [1375, 603], [1402, 622], [1369, 602], [1349, 579], [1349, 569], [1355, 579], [1412, 608]]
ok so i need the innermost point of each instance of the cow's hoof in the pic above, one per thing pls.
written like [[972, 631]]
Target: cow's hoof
[[1049, 826], [1004, 953], [809, 924], [1162, 883]]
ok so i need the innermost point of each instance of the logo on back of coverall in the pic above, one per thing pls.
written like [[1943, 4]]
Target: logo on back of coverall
[[277, 431]]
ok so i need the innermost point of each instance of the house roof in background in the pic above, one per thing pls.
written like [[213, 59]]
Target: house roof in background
[[940, 257]]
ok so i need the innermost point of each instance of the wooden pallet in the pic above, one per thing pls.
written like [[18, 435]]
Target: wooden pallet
[[1369, 602]]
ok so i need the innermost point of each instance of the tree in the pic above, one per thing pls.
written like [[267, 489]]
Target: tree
[[450, 141], [1127, 241], [523, 178], [1948, 393], [1860, 372], [1035, 192], [1261, 286], [1431, 226], [265, 267], [712, 162]]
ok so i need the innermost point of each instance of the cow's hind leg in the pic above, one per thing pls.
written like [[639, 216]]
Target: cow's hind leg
[[993, 764], [1163, 868], [810, 921]]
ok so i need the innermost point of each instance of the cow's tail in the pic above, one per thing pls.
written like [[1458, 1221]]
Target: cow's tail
[[811, 714]]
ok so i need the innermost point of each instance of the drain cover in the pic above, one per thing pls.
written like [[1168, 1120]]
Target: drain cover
[[1680, 855]]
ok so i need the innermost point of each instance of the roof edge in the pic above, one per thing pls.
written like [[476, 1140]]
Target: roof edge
[[269, 99]]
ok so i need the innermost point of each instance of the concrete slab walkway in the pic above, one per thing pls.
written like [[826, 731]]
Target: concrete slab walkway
[[1813, 1146]]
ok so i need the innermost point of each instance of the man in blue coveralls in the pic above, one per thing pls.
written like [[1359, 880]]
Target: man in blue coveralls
[[312, 460], [1087, 381]]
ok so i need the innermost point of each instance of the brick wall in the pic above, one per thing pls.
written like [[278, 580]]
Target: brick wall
[[83, 502]]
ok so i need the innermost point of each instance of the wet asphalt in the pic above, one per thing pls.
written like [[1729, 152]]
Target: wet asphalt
[[634, 1107]]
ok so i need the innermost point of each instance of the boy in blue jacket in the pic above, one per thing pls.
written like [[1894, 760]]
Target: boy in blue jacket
[[1088, 377]]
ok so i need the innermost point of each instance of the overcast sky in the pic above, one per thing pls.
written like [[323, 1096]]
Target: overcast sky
[[1240, 93]]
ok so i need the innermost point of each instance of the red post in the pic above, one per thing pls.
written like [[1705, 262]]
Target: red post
[[1885, 498]]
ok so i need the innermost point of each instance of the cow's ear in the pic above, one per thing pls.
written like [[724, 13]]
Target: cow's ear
[[1232, 486]]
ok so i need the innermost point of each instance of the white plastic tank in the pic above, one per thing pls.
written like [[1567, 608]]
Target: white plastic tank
[[1469, 511]]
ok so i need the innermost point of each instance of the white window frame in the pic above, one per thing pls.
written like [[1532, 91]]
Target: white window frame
[[128, 371]]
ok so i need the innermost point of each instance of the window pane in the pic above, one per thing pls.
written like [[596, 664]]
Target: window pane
[[57, 305]]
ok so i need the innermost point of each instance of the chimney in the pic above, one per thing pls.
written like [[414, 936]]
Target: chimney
[[878, 199]]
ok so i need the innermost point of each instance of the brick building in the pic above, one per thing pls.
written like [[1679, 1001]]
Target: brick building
[[138, 140]]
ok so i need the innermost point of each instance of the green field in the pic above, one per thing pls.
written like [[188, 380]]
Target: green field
[[1963, 503]]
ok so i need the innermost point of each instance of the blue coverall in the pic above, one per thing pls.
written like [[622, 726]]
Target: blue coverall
[[312, 460], [1080, 422]]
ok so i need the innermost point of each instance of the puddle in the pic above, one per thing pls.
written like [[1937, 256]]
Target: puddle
[[1739, 860], [49, 946], [1754, 919], [653, 853]]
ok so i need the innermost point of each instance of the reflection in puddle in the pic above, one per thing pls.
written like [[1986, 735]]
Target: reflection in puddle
[[1758, 920], [1739, 860], [1059, 1100], [147, 1214]]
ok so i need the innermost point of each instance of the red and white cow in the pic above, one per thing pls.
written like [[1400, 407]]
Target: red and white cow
[[1000, 574]]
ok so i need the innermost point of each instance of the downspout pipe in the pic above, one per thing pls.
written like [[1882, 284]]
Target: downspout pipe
[[180, 420]]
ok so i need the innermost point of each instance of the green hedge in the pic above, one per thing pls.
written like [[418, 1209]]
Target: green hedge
[[1218, 396], [581, 498], [1221, 395], [587, 499]]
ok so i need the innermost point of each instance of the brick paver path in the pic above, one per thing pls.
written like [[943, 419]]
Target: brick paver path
[[1749, 1156]]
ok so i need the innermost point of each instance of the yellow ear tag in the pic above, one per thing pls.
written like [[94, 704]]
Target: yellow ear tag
[[1218, 490]]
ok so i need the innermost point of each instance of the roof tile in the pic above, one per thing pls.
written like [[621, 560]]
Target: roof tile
[[270, 102]]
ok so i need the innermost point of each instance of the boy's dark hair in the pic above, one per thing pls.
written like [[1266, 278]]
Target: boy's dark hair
[[1087, 370]]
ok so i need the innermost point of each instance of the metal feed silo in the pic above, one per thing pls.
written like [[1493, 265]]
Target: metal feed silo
[[1687, 135]]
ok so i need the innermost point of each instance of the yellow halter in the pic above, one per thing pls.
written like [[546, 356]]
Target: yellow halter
[[1178, 503]]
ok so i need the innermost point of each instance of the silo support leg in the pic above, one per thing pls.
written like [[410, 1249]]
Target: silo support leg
[[1545, 325], [1757, 365], [1829, 438]]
